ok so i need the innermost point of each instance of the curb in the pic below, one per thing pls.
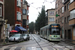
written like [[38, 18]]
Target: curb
[[7, 44]]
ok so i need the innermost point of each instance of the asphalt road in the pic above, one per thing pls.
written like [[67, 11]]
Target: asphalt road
[[37, 43]]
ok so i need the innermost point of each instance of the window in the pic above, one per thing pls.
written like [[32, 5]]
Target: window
[[65, 20], [56, 5], [71, 1], [62, 9], [27, 12], [72, 14], [19, 3], [68, 6], [56, 12], [23, 1], [24, 11], [51, 19], [18, 16], [68, 18], [62, 19], [24, 21], [62, 1], [0, 11], [51, 13], [65, 8]]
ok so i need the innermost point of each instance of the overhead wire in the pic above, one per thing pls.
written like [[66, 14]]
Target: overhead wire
[[43, 3]]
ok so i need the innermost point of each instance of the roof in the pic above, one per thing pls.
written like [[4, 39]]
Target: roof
[[50, 9]]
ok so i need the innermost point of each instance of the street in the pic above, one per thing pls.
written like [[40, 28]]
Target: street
[[38, 43]]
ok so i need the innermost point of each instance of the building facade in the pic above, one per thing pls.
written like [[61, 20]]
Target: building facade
[[62, 9], [25, 12], [72, 17], [51, 16], [2, 20], [13, 12]]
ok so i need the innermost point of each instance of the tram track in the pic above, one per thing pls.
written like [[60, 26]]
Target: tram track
[[45, 43], [52, 44]]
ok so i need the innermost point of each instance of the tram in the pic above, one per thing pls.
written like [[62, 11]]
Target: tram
[[51, 32]]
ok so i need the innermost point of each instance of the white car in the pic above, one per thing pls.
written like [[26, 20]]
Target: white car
[[26, 36], [16, 37]]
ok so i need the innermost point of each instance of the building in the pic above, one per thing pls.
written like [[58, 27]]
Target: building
[[72, 17], [13, 12], [2, 21], [25, 12], [51, 16], [62, 9]]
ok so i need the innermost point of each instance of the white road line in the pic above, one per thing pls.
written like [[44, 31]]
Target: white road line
[[45, 48], [3, 48], [66, 49], [23, 48], [13, 48]]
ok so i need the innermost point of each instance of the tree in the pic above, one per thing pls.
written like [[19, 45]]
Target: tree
[[41, 20], [31, 27]]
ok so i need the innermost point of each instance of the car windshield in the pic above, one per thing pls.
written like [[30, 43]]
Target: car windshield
[[16, 35]]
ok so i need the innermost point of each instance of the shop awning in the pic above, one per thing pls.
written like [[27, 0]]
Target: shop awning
[[22, 29]]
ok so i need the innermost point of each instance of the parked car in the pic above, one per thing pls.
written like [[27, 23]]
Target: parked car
[[16, 37], [26, 36]]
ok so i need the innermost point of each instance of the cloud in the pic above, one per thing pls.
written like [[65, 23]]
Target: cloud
[[35, 7]]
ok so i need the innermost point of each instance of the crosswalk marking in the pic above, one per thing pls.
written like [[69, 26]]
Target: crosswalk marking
[[66, 49], [3, 47], [13, 48], [23, 48], [45, 48]]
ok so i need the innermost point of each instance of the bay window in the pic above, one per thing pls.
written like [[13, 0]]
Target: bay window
[[72, 14], [24, 11]]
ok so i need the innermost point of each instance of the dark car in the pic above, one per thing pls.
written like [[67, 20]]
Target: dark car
[[26, 36], [16, 37]]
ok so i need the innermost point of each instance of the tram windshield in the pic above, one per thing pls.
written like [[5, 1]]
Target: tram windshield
[[55, 31]]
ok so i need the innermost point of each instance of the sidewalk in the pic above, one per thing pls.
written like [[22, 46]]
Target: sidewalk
[[69, 42], [4, 44]]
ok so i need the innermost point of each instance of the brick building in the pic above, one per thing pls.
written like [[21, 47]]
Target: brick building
[[13, 12], [25, 14], [51, 16], [2, 20], [72, 17], [62, 9]]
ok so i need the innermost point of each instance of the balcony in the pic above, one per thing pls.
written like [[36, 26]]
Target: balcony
[[72, 22], [65, 1]]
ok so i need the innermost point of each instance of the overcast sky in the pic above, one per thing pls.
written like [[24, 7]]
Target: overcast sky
[[35, 7]]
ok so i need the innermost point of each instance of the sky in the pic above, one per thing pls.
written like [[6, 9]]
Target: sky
[[35, 7]]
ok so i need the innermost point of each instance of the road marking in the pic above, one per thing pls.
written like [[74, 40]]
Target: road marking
[[13, 48], [23, 48], [3, 47], [66, 49], [45, 48]]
